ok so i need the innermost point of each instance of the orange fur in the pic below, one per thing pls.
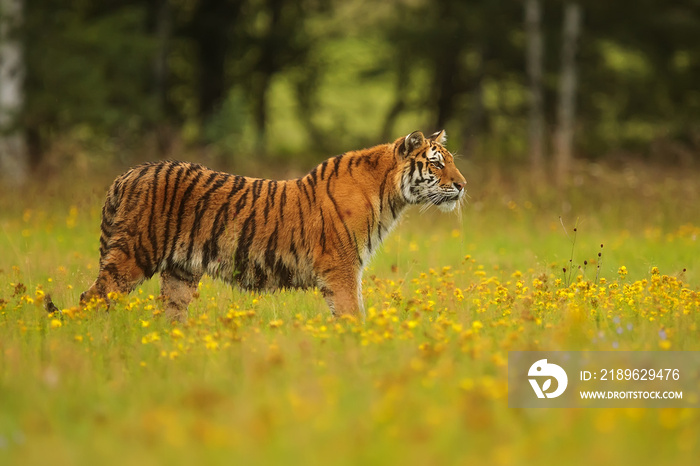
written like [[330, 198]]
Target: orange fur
[[183, 220]]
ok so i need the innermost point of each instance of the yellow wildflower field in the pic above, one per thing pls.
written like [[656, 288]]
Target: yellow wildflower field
[[272, 378]]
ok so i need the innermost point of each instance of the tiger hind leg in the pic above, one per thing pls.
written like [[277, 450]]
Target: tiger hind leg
[[118, 274], [177, 292]]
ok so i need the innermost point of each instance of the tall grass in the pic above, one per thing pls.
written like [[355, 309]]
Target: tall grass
[[271, 378]]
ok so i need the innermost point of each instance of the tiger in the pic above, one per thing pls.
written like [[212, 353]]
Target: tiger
[[183, 220]]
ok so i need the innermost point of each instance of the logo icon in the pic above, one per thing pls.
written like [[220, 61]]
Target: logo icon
[[542, 368]]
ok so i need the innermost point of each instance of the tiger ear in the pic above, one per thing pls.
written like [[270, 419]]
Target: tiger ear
[[412, 142], [440, 137]]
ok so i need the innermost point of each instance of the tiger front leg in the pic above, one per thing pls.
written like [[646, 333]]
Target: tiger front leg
[[342, 290]]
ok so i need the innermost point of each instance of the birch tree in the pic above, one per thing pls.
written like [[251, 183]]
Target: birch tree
[[13, 153], [533, 30], [566, 108]]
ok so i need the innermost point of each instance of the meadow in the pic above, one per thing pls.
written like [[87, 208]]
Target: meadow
[[272, 378]]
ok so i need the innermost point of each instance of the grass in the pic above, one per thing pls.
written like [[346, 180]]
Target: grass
[[272, 379]]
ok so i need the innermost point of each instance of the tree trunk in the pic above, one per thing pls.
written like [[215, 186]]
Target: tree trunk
[[533, 30], [211, 27], [14, 164], [566, 109], [162, 25]]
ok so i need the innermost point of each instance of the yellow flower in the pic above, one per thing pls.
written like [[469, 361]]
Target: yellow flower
[[466, 384], [276, 323], [210, 343], [150, 338], [55, 323]]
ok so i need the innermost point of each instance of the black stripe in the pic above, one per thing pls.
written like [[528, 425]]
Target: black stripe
[[322, 239], [171, 205], [145, 168], [181, 212], [132, 189], [270, 198], [382, 187], [357, 249], [245, 241], [369, 238], [201, 208], [103, 247], [302, 187], [301, 221], [167, 176], [257, 189], [143, 260], [419, 165], [210, 248], [340, 217], [313, 176], [123, 245], [271, 248], [412, 168], [152, 233], [220, 224], [238, 183], [283, 200], [240, 204], [393, 207], [336, 161], [111, 269], [293, 249]]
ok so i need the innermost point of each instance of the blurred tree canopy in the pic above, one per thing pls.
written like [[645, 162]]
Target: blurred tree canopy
[[287, 77]]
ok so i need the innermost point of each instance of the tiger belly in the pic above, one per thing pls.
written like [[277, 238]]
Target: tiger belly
[[269, 270], [259, 275]]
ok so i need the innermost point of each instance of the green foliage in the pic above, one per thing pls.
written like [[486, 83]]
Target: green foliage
[[244, 76], [88, 69]]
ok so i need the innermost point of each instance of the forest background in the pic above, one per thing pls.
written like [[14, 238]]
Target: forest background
[[537, 83]]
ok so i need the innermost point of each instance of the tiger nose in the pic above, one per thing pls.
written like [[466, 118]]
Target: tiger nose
[[459, 185]]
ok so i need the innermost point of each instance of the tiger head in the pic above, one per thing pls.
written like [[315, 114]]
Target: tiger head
[[429, 175]]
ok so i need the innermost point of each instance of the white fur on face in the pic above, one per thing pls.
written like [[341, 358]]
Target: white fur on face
[[420, 185]]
